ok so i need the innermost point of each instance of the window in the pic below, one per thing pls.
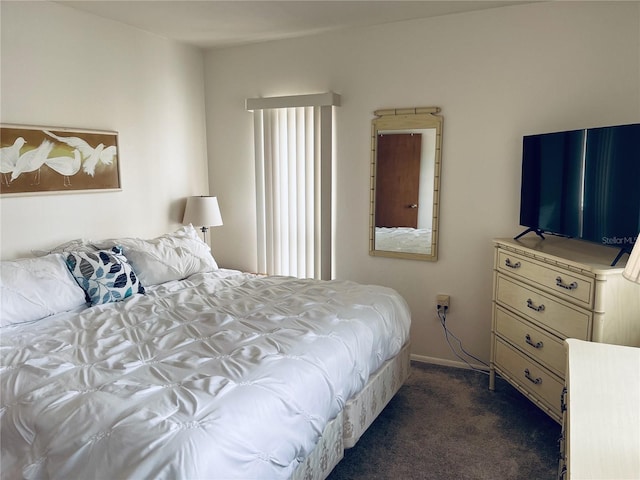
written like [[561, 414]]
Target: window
[[293, 156]]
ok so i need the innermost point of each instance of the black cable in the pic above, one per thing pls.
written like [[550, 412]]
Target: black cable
[[443, 317]]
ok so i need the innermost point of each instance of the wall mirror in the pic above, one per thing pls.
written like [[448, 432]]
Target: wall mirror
[[406, 150]]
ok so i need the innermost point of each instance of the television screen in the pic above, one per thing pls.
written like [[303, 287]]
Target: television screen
[[583, 184]]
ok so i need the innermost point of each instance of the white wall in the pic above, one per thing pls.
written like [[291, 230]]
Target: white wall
[[64, 68], [497, 75]]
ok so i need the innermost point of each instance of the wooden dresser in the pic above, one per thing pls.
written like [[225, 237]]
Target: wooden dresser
[[548, 290]]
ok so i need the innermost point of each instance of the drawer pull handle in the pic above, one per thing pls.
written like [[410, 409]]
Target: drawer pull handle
[[508, 263], [539, 308], [561, 284], [528, 376], [563, 400], [561, 448], [530, 342]]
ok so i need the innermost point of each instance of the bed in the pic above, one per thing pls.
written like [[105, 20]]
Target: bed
[[181, 369]]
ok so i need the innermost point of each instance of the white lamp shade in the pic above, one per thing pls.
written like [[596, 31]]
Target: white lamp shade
[[202, 211], [632, 270]]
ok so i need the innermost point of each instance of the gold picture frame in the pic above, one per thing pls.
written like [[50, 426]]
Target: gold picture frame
[[48, 160]]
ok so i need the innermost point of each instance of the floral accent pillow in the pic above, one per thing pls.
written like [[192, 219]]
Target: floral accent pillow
[[104, 275]]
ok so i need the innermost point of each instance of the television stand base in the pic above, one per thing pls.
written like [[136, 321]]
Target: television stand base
[[622, 251], [537, 231]]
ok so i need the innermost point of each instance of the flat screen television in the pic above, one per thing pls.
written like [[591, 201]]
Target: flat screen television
[[583, 184]]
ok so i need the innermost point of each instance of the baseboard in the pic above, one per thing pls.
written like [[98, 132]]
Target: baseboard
[[447, 363]]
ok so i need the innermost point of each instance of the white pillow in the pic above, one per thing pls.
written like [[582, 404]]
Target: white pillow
[[172, 256], [34, 288], [76, 245]]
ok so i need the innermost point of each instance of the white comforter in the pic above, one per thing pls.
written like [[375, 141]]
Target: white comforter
[[222, 375], [403, 239]]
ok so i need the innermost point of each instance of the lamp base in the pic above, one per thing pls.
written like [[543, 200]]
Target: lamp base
[[204, 233]]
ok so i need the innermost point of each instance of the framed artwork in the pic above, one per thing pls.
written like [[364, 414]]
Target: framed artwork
[[37, 160]]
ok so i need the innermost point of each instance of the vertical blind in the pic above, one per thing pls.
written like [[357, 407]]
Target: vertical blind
[[293, 152]]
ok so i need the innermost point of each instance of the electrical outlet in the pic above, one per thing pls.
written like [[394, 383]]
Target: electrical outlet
[[442, 303]]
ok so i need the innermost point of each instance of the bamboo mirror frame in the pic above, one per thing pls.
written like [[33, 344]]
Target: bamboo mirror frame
[[406, 157]]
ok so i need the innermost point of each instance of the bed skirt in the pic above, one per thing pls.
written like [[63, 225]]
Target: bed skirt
[[326, 455], [359, 413], [362, 410]]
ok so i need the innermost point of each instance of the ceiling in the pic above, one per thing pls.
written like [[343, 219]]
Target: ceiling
[[218, 23]]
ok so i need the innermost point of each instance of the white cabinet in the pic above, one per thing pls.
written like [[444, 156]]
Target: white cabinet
[[601, 427], [546, 291]]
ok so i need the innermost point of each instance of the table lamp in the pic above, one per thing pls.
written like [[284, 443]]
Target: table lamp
[[204, 212], [632, 270]]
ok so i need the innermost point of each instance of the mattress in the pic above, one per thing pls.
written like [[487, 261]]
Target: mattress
[[220, 375]]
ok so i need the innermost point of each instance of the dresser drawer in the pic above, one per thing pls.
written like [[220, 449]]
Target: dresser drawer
[[535, 342], [536, 380], [571, 286], [565, 319]]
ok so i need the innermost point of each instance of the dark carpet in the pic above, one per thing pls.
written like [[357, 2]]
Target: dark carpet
[[444, 423]]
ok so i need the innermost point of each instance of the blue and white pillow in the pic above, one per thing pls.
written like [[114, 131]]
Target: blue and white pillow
[[104, 275]]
